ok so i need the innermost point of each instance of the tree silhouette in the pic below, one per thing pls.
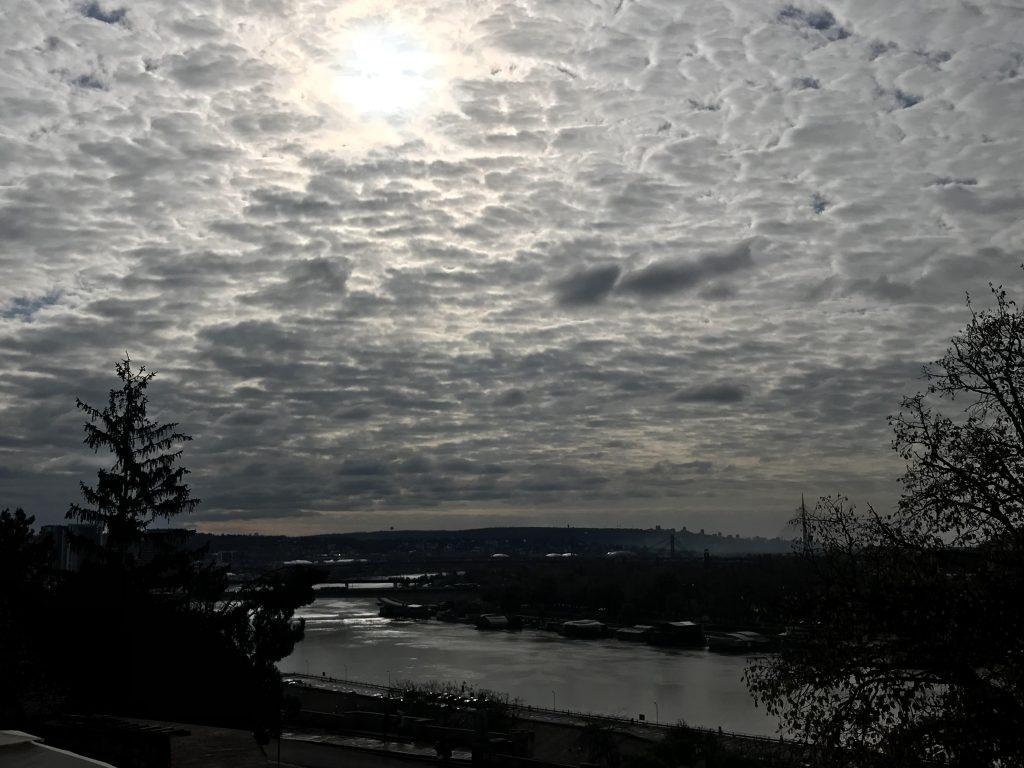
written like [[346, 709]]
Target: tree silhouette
[[144, 483], [168, 644], [910, 650], [24, 573]]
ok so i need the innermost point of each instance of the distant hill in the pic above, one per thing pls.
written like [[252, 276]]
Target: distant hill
[[515, 541]]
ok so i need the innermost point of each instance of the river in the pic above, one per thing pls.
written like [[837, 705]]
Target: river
[[346, 638]]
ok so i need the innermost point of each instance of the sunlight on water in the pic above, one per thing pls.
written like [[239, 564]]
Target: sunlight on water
[[346, 637]]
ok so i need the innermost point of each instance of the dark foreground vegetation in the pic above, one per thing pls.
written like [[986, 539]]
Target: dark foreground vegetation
[[909, 651], [140, 628], [500, 732]]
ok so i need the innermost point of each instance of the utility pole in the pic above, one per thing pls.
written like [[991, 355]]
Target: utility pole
[[803, 526]]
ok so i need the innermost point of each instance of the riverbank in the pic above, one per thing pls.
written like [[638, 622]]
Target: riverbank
[[346, 638], [408, 720]]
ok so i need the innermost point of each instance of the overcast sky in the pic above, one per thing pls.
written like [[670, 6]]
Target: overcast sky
[[445, 264]]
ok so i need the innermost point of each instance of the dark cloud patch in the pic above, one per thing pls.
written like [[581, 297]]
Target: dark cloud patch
[[587, 286], [718, 292], [23, 307], [253, 338], [89, 81], [961, 198], [306, 283], [905, 100], [364, 467], [881, 287], [720, 393], [113, 16], [357, 413], [511, 397], [704, 106], [669, 277], [820, 20], [824, 289], [935, 58], [879, 48]]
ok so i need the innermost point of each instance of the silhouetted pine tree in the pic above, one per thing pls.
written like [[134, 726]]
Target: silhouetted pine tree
[[161, 640], [145, 483]]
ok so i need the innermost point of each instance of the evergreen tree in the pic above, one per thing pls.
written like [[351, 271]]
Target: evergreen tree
[[168, 645], [145, 483]]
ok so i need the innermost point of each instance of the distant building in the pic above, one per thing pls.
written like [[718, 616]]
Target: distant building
[[157, 540], [71, 543], [229, 556]]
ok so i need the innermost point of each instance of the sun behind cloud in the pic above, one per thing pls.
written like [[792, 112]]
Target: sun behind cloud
[[386, 70]]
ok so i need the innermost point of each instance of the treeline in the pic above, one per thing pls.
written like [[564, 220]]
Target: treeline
[[748, 591], [146, 639]]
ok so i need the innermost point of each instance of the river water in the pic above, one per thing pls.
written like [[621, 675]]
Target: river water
[[346, 638]]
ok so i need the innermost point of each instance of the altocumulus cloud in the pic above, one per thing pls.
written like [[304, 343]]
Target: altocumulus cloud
[[723, 393], [617, 256]]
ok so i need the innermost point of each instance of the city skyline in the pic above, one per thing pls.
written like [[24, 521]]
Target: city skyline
[[451, 265]]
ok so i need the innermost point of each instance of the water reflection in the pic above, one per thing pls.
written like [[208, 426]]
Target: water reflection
[[346, 637]]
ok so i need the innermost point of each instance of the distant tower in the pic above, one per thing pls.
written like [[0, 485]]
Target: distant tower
[[803, 526]]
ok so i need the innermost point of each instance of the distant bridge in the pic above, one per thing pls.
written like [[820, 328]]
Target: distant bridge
[[389, 589]]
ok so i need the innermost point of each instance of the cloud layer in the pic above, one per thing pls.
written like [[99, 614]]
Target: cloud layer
[[626, 263]]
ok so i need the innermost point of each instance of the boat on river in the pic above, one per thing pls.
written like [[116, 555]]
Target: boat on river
[[636, 634], [396, 609], [584, 628], [680, 634], [498, 621], [738, 642]]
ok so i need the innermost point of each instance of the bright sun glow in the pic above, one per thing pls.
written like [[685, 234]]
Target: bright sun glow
[[384, 71]]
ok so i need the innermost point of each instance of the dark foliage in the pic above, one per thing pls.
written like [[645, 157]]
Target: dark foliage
[[739, 591], [25, 678], [910, 650], [142, 628], [144, 483]]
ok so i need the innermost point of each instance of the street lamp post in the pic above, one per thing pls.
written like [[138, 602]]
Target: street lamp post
[[657, 718]]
